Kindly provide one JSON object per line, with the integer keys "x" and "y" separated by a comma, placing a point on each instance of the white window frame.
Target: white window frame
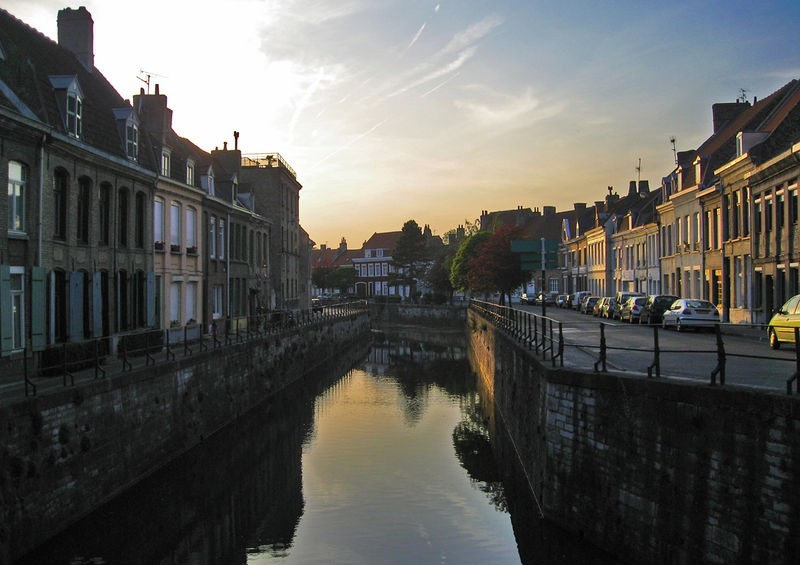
{"x": 16, "y": 198}
{"x": 175, "y": 302}
{"x": 165, "y": 168}
{"x": 190, "y": 173}
{"x": 216, "y": 306}
{"x": 158, "y": 221}
{"x": 191, "y": 301}
{"x": 221, "y": 249}
{"x": 74, "y": 113}
{"x": 212, "y": 237}
{"x": 132, "y": 141}
{"x": 174, "y": 223}
{"x": 191, "y": 227}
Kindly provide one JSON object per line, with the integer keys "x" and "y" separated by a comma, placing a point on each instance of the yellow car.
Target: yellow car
{"x": 782, "y": 325}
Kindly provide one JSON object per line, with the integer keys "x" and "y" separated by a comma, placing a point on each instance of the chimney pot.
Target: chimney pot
{"x": 225, "y": 146}
{"x": 76, "y": 33}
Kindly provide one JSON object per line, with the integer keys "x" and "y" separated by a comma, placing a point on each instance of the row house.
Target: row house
{"x": 113, "y": 222}
{"x": 76, "y": 258}
{"x": 374, "y": 268}
{"x": 332, "y": 258}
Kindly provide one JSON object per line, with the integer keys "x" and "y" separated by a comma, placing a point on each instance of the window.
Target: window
{"x": 132, "y": 141}
{"x": 158, "y": 224}
{"x": 141, "y": 205}
{"x": 191, "y": 302}
{"x": 165, "y": 163}
{"x": 17, "y": 307}
{"x": 212, "y": 237}
{"x": 84, "y": 197}
{"x": 221, "y": 250}
{"x": 216, "y": 306}
{"x": 175, "y": 227}
{"x": 17, "y": 178}
{"x": 736, "y": 212}
{"x": 123, "y": 217}
{"x": 104, "y": 213}
{"x": 191, "y": 221}
{"x": 211, "y": 183}
{"x": 74, "y": 114}
{"x": 190, "y": 173}
{"x": 60, "y": 192}
{"x": 175, "y": 303}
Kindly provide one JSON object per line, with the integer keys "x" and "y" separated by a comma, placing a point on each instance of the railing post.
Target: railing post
{"x": 560, "y": 344}
{"x": 602, "y": 360}
{"x": 720, "y": 368}
{"x": 656, "y": 355}
{"x": 552, "y": 356}
{"x": 796, "y": 376}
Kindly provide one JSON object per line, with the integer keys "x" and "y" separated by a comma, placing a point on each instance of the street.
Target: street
{"x": 689, "y": 355}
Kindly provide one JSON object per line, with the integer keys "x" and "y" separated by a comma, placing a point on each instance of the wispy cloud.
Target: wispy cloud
{"x": 472, "y": 34}
{"x": 416, "y": 36}
{"x": 440, "y": 85}
{"x": 348, "y": 144}
{"x": 504, "y": 110}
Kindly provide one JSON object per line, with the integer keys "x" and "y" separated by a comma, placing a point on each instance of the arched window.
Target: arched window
{"x": 104, "y": 213}
{"x": 60, "y": 199}
{"x": 84, "y": 200}
{"x": 17, "y": 186}
{"x": 140, "y": 219}
{"x": 123, "y": 216}
{"x": 158, "y": 224}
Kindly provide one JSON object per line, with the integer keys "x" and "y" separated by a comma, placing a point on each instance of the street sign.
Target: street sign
{"x": 530, "y": 252}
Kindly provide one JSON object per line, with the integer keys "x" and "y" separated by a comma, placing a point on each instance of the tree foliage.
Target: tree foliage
{"x": 410, "y": 255}
{"x": 468, "y": 249}
{"x": 495, "y": 268}
{"x": 438, "y": 276}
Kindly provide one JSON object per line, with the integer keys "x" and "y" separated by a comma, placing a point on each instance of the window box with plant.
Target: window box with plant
{"x": 191, "y": 250}
{"x": 158, "y": 246}
{"x": 174, "y": 248}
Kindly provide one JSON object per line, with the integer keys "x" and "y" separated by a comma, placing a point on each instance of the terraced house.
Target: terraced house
{"x": 76, "y": 247}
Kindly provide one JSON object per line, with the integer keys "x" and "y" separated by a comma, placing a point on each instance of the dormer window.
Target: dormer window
{"x": 165, "y": 163}
{"x": 190, "y": 173}
{"x": 70, "y": 102}
{"x": 132, "y": 141}
{"x": 74, "y": 114}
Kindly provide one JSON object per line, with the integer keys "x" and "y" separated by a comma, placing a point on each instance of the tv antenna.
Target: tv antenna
{"x": 674, "y": 152}
{"x": 742, "y": 95}
{"x": 639, "y": 171}
{"x": 148, "y": 75}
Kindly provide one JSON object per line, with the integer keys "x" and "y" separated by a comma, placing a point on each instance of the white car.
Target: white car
{"x": 690, "y": 312}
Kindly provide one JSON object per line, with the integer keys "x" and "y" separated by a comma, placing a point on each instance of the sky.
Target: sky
{"x": 392, "y": 110}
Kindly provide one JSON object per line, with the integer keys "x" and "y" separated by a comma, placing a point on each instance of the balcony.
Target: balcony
{"x": 267, "y": 160}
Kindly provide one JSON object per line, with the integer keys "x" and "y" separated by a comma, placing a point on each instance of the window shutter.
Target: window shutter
{"x": 97, "y": 304}
{"x": 150, "y": 297}
{"x": 38, "y": 308}
{"x": 6, "y": 318}
{"x": 75, "y": 306}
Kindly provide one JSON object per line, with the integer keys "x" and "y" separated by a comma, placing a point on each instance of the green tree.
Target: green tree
{"x": 495, "y": 268}
{"x": 438, "y": 276}
{"x": 468, "y": 249}
{"x": 410, "y": 256}
{"x": 342, "y": 278}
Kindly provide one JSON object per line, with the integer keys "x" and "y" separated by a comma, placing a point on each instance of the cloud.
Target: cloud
{"x": 472, "y": 34}
{"x": 416, "y": 36}
{"x": 504, "y": 110}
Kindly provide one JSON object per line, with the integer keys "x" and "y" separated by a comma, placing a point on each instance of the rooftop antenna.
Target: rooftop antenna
{"x": 742, "y": 95}
{"x": 639, "y": 172}
{"x": 148, "y": 75}
{"x": 674, "y": 152}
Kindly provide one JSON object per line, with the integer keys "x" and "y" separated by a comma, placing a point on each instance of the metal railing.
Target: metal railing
{"x": 95, "y": 359}
{"x": 546, "y": 337}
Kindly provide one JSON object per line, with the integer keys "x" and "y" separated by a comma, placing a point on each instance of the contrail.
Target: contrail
{"x": 349, "y": 143}
{"x": 419, "y": 32}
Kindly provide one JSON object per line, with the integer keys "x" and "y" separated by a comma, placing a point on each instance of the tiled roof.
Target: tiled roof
{"x": 32, "y": 58}
{"x": 384, "y": 240}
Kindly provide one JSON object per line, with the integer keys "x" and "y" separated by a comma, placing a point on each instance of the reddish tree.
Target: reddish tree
{"x": 495, "y": 268}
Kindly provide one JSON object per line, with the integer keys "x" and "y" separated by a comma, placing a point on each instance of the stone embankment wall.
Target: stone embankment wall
{"x": 426, "y": 315}
{"x": 66, "y": 453}
{"x": 654, "y": 471}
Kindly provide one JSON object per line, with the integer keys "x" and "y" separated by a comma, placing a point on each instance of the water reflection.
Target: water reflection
{"x": 393, "y": 462}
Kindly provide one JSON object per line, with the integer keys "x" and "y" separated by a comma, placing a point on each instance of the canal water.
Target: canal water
{"x": 388, "y": 458}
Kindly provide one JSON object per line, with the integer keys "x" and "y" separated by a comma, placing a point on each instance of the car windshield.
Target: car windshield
{"x": 699, "y": 304}
{"x": 640, "y": 301}
{"x": 665, "y": 300}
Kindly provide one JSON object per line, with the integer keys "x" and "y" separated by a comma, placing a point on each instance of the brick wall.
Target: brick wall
{"x": 655, "y": 471}
{"x": 64, "y": 454}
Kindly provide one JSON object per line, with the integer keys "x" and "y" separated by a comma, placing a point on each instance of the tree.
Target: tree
{"x": 342, "y": 278}
{"x": 438, "y": 276}
{"x": 460, "y": 265}
{"x": 410, "y": 255}
{"x": 319, "y": 276}
{"x": 495, "y": 268}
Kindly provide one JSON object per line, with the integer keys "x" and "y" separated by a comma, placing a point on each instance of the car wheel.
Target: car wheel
{"x": 773, "y": 339}
{"x": 678, "y": 325}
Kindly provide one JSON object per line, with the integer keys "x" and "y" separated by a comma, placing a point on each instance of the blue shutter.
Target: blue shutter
{"x": 6, "y": 318}
{"x": 97, "y": 305}
{"x": 38, "y": 308}
{"x": 75, "y": 306}
{"x": 150, "y": 296}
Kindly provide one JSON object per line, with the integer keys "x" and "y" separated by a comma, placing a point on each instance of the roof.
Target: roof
{"x": 383, "y": 240}
{"x": 31, "y": 60}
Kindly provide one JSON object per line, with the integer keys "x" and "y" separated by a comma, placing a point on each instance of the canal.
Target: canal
{"x": 393, "y": 456}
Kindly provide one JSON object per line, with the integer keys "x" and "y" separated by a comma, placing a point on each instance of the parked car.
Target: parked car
{"x": 579, "y": 298}
{"x": 587, "y": 307}
{"x": 597, "y": 310}
{"x": 783, "y": 322}
{"x": 569, "y": 301}
{"x": 654, "y": 308}
{"x": 619, "y": 301}
{"x": 549, "y": 298}
{"x": 523, "y": 298}
{"x": 560, "y": 300}
{"x": 316, "y": 305}
{"x": 690, "y": 312}
{"x": 632, "y": 309}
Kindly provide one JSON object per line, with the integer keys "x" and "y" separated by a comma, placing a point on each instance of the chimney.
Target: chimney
{"x": 76, "y": 33}
{"x": 644, "y": 187}
{"x": 323, "y": 247}
{"x": 579, "y": 206}
{"x": 549, "y": 210}
{"x": 225, "y": 146}
{"x": 632, "y": 188}
{"x": 154, "y": 113}
{"x": 236, "y": 141}
{"x": 724, "y": 112}
{"x": 343, "y": 245}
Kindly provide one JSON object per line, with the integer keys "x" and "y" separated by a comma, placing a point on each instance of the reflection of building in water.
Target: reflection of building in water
{"x": 382, "y": 356}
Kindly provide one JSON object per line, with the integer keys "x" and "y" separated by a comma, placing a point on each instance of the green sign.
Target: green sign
{"x": 530, "y": 252}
